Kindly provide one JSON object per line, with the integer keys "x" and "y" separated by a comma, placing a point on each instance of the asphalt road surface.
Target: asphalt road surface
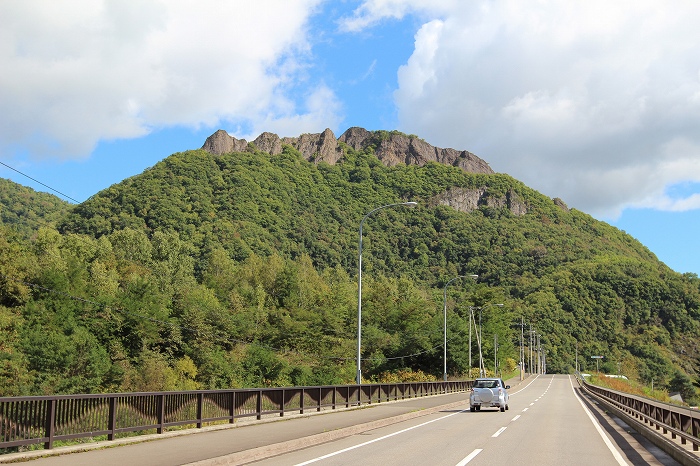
{"x": 547, "y": 424}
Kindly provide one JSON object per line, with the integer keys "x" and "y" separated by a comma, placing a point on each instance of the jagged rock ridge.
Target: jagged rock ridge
{"x": 391, "y": 148}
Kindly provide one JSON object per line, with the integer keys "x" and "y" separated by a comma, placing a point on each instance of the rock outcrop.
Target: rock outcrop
{"x": 391, "y": 148}
{"x": 559, "y": 203}
{"x": 221, "y": 143}
{"x": 468, "y": 200}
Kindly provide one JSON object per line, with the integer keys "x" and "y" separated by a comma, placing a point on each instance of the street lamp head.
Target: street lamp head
{"x": 410, "y": 204}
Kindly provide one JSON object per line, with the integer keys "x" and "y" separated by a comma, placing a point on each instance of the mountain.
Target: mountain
{"x": 236, "y": 265}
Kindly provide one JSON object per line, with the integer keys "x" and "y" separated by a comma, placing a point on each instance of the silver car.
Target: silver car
{"x": 489, "y": 393}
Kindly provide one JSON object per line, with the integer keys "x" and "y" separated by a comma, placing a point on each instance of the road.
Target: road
{"x": 547, "y": 424}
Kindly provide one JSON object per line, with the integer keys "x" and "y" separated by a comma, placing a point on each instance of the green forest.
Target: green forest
{"x": 240, "y": 270}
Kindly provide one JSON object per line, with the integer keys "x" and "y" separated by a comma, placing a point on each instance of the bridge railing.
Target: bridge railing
{"x": 47, "y": 419}
{"x": 681, "y": 422}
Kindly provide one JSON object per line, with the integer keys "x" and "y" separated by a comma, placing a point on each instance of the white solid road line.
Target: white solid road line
{"x": 531, "y": 382}
{"x": 471, "y": 456}
{"x": 618, "y": 457}
{"x": 377, "y": 439}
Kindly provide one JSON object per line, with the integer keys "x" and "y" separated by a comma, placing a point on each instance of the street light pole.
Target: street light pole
{"x": 359, "y": 285}
{"x": 444, "y": 301}
{"x": 481, "y": 356}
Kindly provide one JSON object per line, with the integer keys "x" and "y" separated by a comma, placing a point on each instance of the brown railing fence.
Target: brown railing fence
{"x": 46, "y": 419}
{"x": 679, "y": 421}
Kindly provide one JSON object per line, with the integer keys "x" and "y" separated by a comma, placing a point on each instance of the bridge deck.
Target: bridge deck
{"x": 249, "y": 440}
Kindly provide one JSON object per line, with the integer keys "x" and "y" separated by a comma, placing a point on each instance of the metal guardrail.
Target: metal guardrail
{"x": 679, "y": 421}
{"x": 47, "y": 419}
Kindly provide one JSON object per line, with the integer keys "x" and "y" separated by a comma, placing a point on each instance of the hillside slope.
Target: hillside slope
{"x": 240, "y": 269}
{"x": 25, "y": 209}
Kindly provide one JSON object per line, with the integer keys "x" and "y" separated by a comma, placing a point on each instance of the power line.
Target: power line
{"x": 37, "y": 181}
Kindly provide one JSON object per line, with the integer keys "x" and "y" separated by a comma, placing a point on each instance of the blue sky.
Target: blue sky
{"x": 591, "y": 101}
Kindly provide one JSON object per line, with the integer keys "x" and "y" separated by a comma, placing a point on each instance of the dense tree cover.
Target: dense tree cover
{"x": 241, "y": 270}
{"x": 26, "y": 210}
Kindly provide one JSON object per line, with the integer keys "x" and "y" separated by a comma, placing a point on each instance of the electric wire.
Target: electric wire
{"x": 37, "y": 181}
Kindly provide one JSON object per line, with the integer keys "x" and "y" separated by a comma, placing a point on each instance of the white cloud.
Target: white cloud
{"x": 322, "y": 110}
{"x": 371, "y": 12}
{"x": 77, "y": 72}
{"x": 592, "y": 101}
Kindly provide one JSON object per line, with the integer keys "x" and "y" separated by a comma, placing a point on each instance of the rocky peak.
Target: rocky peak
{"x": 391, "y": 148}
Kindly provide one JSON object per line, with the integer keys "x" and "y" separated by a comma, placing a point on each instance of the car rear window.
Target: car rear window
{"x": 486, "y": 384}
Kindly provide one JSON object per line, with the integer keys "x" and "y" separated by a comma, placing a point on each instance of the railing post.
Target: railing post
{"x": 258, "y": 405}
{"x": 161, "y": 412}
{"x": 200, "y": 402}
{"x": 301, "y": 402}
{"x": 232, "y": 409}
{"x": 335, "y": 393}
{"x": 282, "y": 402}
{"x": 112, "y": 417}
{"x": 320, "y": 396}
{"x": 50, "y": 421}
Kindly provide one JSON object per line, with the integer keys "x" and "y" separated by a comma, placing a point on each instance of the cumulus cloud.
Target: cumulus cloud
{"x": 81, "y": 71}
{"x": 593, "y": 101}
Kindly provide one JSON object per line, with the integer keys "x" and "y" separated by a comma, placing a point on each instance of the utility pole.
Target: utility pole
{"x": 495, "y": 355}
{"x": 522, "y": 348}
{"x": 482, "y": 369}
{"x": 530, "y": 335}
{"x": 481, "y": 339}
{"x": 544, "y": 362}
{"x": 470, "y": 318}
